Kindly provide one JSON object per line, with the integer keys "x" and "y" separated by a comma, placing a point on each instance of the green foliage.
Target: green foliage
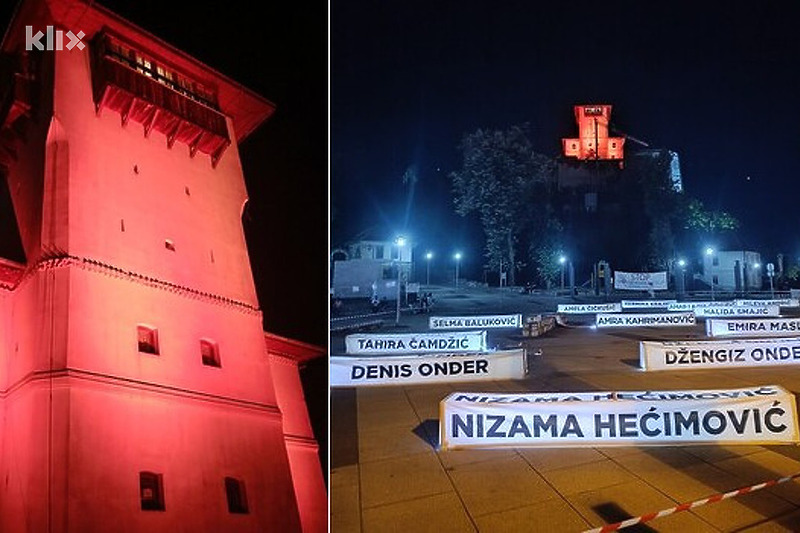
{"x": 500, "y": 179}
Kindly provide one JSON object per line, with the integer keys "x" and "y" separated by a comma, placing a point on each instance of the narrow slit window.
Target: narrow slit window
{"x": 148, "y": 339}
{"x": 209, "y": 351}
{"x": 151, "y": 491}
{"x": 237, "y": 498}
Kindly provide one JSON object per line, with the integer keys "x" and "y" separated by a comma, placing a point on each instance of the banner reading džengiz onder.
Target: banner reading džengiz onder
{"x": 760, "y": 415}
{"x": 346, "y": 371}
{"x": 730, "y": 353}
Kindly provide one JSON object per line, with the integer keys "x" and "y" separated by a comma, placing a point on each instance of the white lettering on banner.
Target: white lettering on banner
{"x": 346, "y": 371}
{"x": 589, "y": 308}
{"x": 782, "y": 302}
{"x": 753, "y": 327}
{"x": 658, "y": 355}
{"x": 624, "y": 320}
{"x": 646, "y": 304}
{"x": 640, "y": 281}
{"x": 737, "y": 310}
{"x": 475, "y": 322}
{"x": 756, "y": 416}
{"x": 419, "y": 343}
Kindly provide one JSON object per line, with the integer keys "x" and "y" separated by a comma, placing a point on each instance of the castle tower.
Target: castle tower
{"x": 137, "y": 389}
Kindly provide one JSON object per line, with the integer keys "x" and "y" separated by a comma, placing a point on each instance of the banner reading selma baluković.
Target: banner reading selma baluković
{"x": 752, "y": 327}
{"x": 475, "y": 322}
{"x": 589, "y": 308}
{"x": 677, "y": 355}
{"x": 628, "y": 320}
{"x": 419, "y": 343}
{"x": 763, "y": 415}
{"x": 640, "y": 281}
{"x": 348, "y": 371}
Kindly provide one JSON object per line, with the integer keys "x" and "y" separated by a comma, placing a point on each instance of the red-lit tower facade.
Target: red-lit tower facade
{"x": 138, "y": 390}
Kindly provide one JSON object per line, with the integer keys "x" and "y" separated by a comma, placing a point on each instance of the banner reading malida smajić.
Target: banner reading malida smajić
{"x": 759, "y": 415}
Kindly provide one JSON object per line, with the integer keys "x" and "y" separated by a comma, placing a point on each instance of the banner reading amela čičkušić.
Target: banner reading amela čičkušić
{"x": 762, "y": 415}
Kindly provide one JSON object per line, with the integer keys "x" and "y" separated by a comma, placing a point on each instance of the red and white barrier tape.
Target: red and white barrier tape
{"x": 690, "y": 505}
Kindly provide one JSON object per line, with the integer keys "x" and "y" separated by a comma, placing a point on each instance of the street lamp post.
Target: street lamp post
{"x": 428, "y": 258}
{"x": 400, "y": 242}
{"x": 562, "y": 260}
{"x": 710, "y": 253}
{"x": 458, "y": 260}
{"x": 681, "y": 276}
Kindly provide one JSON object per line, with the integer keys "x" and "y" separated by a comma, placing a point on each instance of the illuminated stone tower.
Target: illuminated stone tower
{"x": 138, "y": 391}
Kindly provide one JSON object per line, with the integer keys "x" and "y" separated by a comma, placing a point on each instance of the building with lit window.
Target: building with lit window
{"x": 138, "y": 390}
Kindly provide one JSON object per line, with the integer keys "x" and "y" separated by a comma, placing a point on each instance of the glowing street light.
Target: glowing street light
{"x": 400, "y": 242}
{"x": 562, "y": 260}
{"x": 428, "y": 258}
{"x": 457, "y": 257}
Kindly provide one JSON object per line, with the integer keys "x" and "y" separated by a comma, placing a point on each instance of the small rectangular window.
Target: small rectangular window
{"x": 715, "y": 280}
{"x": 151, "y": 491}
{"x": 715, "y": 261}
{"x": 209, "y": 351}
{"x": 237, "y": 498}
{"x": 148, "y": 339}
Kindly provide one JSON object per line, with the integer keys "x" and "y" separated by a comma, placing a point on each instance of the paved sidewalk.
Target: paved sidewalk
{"x": 387, "y": 473}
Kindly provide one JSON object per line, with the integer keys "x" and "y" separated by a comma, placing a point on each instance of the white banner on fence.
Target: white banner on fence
{"x": 738, "y": 310}
{"x": 752, "y": 327}
{"x": 646, "y": 304}
{"x": 435, "y": 368}
{"x": 764, "y": 415}
{"x": 693, "y": 306}
{"x": 782, "y": 302}
{"x": 682, "y": 355}
{"x": 640, "y": 281}
{"x": 475, "y": 322}
{"x": 627, "y": 320}
{"x": 416, "y": 343}
{"x": 589, "y": 308}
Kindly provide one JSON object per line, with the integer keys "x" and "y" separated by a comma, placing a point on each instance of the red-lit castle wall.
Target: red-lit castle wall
{"x": 122, "y": 231}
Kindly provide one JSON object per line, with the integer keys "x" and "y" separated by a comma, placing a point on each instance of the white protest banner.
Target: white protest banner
{"x": 682, "y": 355}
{"x": 475, "y": 322}
{"x": 738, "y": 310}
{"x": 640, "y": 281}
{"x": 752, "y": 327}
{"x": 782, "y": 302}
{"x": 627, "y": 320}
{"x": 646, "y": 304}
{"x": 763, "y": 415}
{"x": 433, "y": 368}
{"x": 589, "y": 308}
{"x": 416, "y": 343}
{"x": 693, "y": 306}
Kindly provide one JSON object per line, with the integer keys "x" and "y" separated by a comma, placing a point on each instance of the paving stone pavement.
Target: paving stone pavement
{"x": 388, "y": 474}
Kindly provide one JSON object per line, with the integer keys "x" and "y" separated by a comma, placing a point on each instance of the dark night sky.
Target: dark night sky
{"x": 715, "y": 82}
{"x": 282, "y": 55}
